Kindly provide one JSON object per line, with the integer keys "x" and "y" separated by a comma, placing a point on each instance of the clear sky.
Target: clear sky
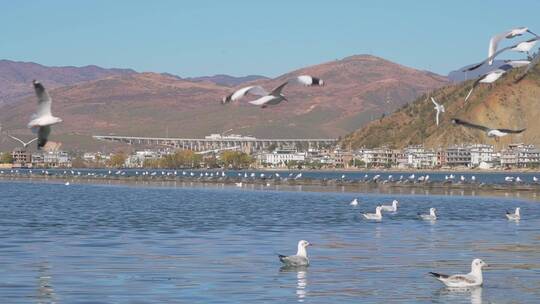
{"x": 201, "y": 37}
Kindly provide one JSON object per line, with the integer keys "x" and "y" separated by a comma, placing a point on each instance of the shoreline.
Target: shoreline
{"x": 520, "y": 191}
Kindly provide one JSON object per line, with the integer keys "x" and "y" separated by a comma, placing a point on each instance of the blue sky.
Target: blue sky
{"x": 195, "y": 38}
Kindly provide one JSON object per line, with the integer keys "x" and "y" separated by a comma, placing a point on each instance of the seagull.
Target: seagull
{"x": 535, "y": 179}
{"x": 432, "y": 216}
{"x": 494, "y": 41}
{"x": 275, "y": 96}
{"x": 489, "y": 131}
{"x": 238, "y": 184}
{"x": 516, "y": 216}
{"x": 522, "y": 47}
{"x": 42, "y": 120}
{"x": 518, "y": 180}
{"x": 354, "y": 202}
{"x": 67, "y": 184}
{"x": 25, "y": 144}
{"x": 300, "y": 258}
{"x": 508, "y": 179}
{"x": 439, "y": 108}
{"x": 473, "y": 278}
{"x": 374, "y": 216}
{"x": 392, "y": 208}
{"x": 533, "y": 63}
{"x": 494, "y": 75}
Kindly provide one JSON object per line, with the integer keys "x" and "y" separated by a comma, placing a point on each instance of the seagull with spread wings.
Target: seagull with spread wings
{"x": 43, "y": 119}
{"x": 270, "y": 98}
{"x": 522, "y": 47}
{"x": 491, "y": 132}
{"x": 494, "y": 41}
{"x": 494, "y": 75}
{"x": 25, "y": 144}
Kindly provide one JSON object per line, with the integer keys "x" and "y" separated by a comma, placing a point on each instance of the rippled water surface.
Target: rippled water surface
{"x": 123, "y": 244}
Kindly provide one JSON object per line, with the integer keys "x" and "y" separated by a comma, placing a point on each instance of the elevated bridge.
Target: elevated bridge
{"x": 246, "y": 144}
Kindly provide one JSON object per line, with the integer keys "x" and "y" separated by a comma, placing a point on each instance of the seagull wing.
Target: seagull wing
{"x": 489, "y": 59}
{"x": 475, "y": 83}
{"x": 43, "y": 136}
{"x": 437, "y": 117}
{"x": 44, "y": 100}
{"x": 31, "y": 141}
{"x": 494, "y": 42}
{"x": 512, "y": 131}
{"x": 239, "y": 94}
{"x": 15, "y": 138}
{"x": 469, "y": 125}
{"x": 434, "y": 102}
{"x": 533, "y": 63}
{"x": 277, "y": 91}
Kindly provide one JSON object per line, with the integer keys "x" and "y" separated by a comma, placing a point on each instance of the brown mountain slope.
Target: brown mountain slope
{"x": 15, "y": 77}
{"x": 504, "y": 104}
{"x": 358, "y": 88}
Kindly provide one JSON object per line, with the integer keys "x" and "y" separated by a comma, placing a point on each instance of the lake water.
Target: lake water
{"x": 123, "y": 244}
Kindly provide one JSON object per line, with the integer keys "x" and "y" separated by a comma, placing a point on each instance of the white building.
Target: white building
{"x": 418, "y": 157}
{"x": 481, "y": 153}
{"x": 281, "y": 157}
{"x": 137, "y": 159}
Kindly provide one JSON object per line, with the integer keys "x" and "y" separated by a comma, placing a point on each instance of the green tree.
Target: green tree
{"x": 236, "y": 159}
{"x": 118, "y": 160}
{"x": 6, "y": 158}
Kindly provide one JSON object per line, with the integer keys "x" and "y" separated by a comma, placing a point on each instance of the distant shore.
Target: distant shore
{"x": 525, "y": 191}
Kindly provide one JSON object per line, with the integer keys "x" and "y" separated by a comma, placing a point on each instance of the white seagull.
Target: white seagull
{"x": 516, "y": 216}
{"x": 374, "y": 216}
{"x": 535, "y": 179}
{"x": 494, "y": 75}
{"x": 522, "y": 47}
{"x": 439, "y": 108}
{"x": 494, "y": 41}
{"x": 473, "y": 278}
{"x": 275, "y": 96}
{"x": 42, "y": 120}
{"x": 489, "y": 131}
{"x": 354, "y": 202}
{"x": 300, "y": 258}
{"x": 391, "y": 208}
{"x": 25, "y": 144}
{"x": 432, "y": 216}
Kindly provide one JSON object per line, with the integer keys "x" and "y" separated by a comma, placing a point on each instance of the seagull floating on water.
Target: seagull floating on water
{"x": 300, "y": 258}
{"x": 377, "y": 216}
{"x": 439, "y": 108}
{"x": 516, "y": 216}
{"x": 473, "y": 278}
{"x": 391, "y": 208}
{"x": 489, "y": 131}
{"x": 432, "y": 216}
{"x": 354, "y": 202}
{"x": 42, "y": 120}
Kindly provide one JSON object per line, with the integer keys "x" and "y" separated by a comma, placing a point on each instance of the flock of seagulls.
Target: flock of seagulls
{"x": 270, "y": 98}
{"x": 496, "y": 73}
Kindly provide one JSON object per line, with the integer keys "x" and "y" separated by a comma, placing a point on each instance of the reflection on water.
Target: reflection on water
{"x": 461, "y": 295}
{"x": 45, "y": 290}
{"x": 123, "y": 244}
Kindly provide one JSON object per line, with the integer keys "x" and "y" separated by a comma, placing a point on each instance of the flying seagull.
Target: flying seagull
{"x": 533, "y": 63}
{"x": 490, "y": 132}
{"x": 42, "y": 120}
{"x": 300, "y": 258}
{"x": 439, "y": 108}
{"x": 494, "y": 41}
{"x": 522, "y": 47}
{"x": 275, "y": 96}
{"x": 25, "y": 144}
{"x": 494, "y": 75}
{"x": 473, "y": 278}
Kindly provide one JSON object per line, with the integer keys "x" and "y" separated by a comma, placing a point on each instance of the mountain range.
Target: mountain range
{"x": 124, "y": 102}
